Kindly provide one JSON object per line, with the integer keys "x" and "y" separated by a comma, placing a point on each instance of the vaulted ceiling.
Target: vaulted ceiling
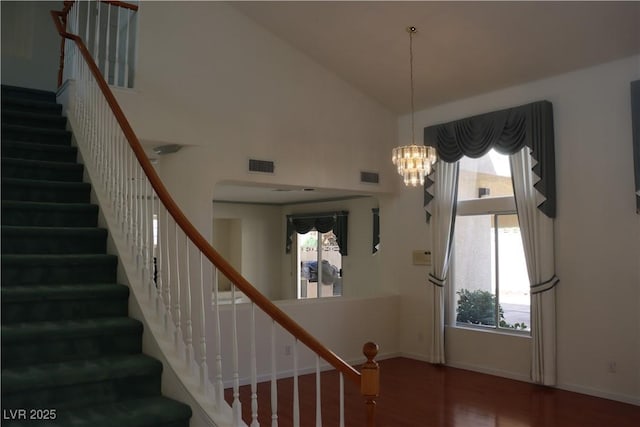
{"x": 461, "y": 49}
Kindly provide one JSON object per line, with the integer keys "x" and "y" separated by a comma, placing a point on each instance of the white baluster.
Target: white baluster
{"x": 254, "y": 373}
{"x": 296, "y": 393}
{"x": 96, "y": 41}
{"x": 116, "y": 66}
{"x": 167, "y": 287}
{"x": 341, "y": 400}
{"x": 86, "y": 35}
{"x": 187, "y": 308}
{"x": 236, "y": 405}
{"x": 177, "y": 335}
{"x": 107, "y": 39}
{"x": 204, "y": 371}
{"x": 274, "y": 383}
{"x": 318, "y": 392}
{"x": 126, "y": 50}
{"x": 219, "y": 386}
{"x": 159, "y": 261}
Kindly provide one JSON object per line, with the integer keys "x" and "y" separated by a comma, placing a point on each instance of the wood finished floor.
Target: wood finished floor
{"x": 417, "y": 394}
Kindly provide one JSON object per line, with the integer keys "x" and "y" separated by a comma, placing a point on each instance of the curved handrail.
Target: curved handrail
{"x": 189, "y": 229}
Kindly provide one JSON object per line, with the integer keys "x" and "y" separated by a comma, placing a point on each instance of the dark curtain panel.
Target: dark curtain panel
{"x": 635, "y": 125}
{"x": 323, "y": 222}
{"x": 507, "y": 131}
{"x": 376, "y": 230}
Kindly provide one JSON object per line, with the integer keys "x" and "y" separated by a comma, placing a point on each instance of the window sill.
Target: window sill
{"x": 491, "y": 330}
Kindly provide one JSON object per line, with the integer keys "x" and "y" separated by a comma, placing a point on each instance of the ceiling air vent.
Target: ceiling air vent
{"x": 264, "y": 166}
{"x": 369, "y": 177}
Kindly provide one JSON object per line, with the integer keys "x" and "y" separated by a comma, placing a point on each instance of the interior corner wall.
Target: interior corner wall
{"x": 262, "y": 243}
{"x": 30, "y": 44}
{"x": 597, "y": 236}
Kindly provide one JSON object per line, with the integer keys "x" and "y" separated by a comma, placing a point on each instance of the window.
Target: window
{"x": 320, "y": 265}
{"x": 489, "y": 272}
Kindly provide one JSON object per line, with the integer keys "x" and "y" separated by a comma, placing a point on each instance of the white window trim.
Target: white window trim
{"x": 503, "y": 205}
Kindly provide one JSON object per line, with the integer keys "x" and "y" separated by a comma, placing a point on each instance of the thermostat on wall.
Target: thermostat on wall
{"x": 421, "y": 257}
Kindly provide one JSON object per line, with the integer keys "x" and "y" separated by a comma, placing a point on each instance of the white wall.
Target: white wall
{"x": 30, "y": 44}
{"x": 342, "y": 324}
{"x": 209, "y": 77}
{"x": 597, "y": 239}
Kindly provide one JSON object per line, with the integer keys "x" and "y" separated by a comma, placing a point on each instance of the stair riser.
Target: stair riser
{"x": 25, "y": 274}
{"x": 38, "y": 311}
{"x": 40, "y": 121}
{"x": 35, "y": 135}
{"x": 70, "y": 348}
{"x": 16, "y": 151}
{"x": 33, "y": 192}
{"x": 42, "y": 173}
{"x": 79, "y": 395}
{"x": 58, "y": 243}
{"x": 42, "y": 218}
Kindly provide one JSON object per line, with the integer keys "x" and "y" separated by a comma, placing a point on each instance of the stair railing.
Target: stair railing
{"x": 176, "y": 268}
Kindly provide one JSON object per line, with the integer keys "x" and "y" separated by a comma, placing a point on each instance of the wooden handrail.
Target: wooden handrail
{"x": 193, "y": 234}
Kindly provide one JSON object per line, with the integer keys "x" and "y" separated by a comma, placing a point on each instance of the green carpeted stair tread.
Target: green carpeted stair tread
{"x": 52, "y": 240}
{"x": 25, "y": 270}
{"x": 34, "y": 134}
{"x": 81, "y": 383}
{"x": 41, "y": 107}
{"x": 155, "y": 411}
{"x": 78, "y": 371}
{"x": 41, "y": 214}
{"x": 39, "y": 303}
{"x": 52, "y": 331}
{"x": 45, "y": 191}
{"x": 10, "y": 91}
{"x": 42, "y": 170}
{"x": 33, "y": 343}
{"x": 28, "y": 118}
{"x": 35, "y": 151}
{"x": 99, "y": 291}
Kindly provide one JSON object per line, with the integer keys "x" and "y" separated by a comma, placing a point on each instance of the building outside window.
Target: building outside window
{"x": 320, "y": 265}
{"x": 489, "y": 274}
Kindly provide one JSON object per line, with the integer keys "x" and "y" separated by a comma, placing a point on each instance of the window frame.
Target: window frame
{"x": 494, "y": 206}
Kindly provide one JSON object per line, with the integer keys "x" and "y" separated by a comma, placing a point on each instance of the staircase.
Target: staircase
{"x": 70, "y": 355}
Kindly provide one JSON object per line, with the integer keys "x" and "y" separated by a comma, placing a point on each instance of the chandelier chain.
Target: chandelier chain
{"x": 411, "y": 31}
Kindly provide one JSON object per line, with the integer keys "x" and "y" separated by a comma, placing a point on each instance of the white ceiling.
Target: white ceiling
{"x": 461, "y": 49}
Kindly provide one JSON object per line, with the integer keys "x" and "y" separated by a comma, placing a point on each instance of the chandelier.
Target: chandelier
{"x": 413, "y": 161}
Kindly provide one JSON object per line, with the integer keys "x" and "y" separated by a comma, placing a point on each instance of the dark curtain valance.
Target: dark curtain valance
{"x": 508, "y": 131}
{"x": 323, "y": 222}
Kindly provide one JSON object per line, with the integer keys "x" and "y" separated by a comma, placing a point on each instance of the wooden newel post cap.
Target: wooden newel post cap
{"x": 370, "y": 381}
{"x": 370, "y": 350}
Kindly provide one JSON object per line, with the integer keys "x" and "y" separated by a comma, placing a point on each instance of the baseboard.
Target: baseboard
{"x": 474, "y": 368}
{"x": 632, "y": 400}
{"x": 288, "y": 373}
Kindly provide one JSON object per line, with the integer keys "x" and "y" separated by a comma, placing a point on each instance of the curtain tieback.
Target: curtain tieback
{"x": 436, "y": 280}
{"x": 545, "y": 286}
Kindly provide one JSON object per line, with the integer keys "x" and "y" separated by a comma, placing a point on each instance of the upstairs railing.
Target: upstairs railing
{"x": 177, "y": 269}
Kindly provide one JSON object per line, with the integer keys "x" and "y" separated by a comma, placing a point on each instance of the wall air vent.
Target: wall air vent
{"x": 370, "y": 177}
{"x": 264, "y": 166}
